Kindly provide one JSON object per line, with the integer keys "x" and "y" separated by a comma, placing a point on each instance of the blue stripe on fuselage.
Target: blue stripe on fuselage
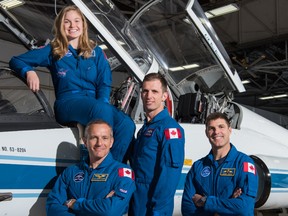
{"x": 38, "y": 159}
{"x": 279, "y": 180}
{"x": 15, "y": 176}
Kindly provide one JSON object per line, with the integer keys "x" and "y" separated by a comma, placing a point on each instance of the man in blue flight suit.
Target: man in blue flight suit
{"x": 98, "y": 186}
{"x": 158, "y": 153}
{"x": 224, "y": 182}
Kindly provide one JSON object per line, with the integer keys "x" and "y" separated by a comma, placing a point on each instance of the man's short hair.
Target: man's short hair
{"x": 217, "y": 115}
{"x": 98, "y": 121}
{"x": 157, "y": 76}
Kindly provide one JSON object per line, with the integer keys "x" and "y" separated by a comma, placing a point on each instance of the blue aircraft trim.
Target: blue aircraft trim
{"x": 279, "y": 181}
{"x": 39, "y": 159}
{"x": 179, "y": 193}
{"x": 279, "y": 191}
{"x": 186, "y": 169}
{"x": 15, "y": 176}
{"x": 29, "y": 195}
{"x": 278, "y": 170}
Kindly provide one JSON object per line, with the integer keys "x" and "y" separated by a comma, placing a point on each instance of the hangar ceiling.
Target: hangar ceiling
{"x": 256, "y": 38}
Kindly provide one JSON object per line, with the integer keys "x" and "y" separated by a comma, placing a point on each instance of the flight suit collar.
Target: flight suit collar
{"x": 160, "y": 116}
{"x": 230, "y": 156}
{"x": 106, "y": 162}
{"x": 73, "y": 51}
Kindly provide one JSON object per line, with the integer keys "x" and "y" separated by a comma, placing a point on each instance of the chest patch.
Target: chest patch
{"x": 68, "y": 54}
{"x": 206, "y": 171}
{"x": 149, "y": 132}
{"x": 62, "y": 73}
{"x": 228, "y": 172}
{"x": 99, "y": 177}
{"x": 79, "y": 177}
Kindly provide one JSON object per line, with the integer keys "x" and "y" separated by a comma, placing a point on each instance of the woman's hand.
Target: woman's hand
{"x": 33, "y": 81}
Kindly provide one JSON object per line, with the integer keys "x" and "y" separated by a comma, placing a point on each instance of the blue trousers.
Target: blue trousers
{"x": 85, "y": 109}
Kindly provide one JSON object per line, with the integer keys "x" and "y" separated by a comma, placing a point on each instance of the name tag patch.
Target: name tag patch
{"x": 99, "y": 177}
{"x": 228, "y": 172}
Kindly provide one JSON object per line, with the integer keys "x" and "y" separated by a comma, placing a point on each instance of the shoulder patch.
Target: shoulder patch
{"x": 249, "y": 167}
{"x": 126, "y": 172}
{"x": 173, "y": 133}
{"x": 41, "y": 47}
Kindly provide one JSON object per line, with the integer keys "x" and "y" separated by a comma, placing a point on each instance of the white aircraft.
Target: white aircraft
{"x": 170, "y": 36}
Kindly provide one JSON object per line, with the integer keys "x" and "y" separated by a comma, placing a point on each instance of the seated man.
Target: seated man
{"x": 98, "y": 186}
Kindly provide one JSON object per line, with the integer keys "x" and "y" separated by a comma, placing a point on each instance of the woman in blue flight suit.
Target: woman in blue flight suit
{"x": 81, "y": 75}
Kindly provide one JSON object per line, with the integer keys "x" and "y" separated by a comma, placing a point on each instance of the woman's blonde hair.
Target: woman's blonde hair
{"x": 60, "y": 42}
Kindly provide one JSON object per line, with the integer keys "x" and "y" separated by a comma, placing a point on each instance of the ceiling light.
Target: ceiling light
{"x": 273, "y": 97}
{"x": 222, "y": 11}
{"x": 184, "y": 67}
{"x": 8, "y": 4}
{"x": 190, "y": 66}
{"x": 245, "y": 82}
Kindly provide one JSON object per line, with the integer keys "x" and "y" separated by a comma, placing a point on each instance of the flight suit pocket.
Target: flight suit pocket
{"x": 175, "y": 157}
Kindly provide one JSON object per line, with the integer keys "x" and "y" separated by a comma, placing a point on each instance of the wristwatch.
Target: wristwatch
{"x": 68, "y": 202}
{"x": 203, "y": 199}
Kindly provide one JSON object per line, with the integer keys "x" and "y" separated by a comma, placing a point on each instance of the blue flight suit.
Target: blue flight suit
{"x": 123, "y": 135}
{"x": 82, "y": 88}
{"x": 82, "y": 85}
{"x": 90, "y": 188}
{"x": 157, "y": 161}
{"x": 218, "y": 182}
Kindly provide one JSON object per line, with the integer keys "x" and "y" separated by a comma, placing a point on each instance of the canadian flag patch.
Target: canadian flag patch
{"x": 126, "y": 172}
{"x": 249, "y": 167}
{"x": 172, "y": 133}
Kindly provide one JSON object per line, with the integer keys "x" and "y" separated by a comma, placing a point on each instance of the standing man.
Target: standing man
{"x": 98, "y": 186}
{"x": 224, "y": 182}
{"x": 158, "y": 153}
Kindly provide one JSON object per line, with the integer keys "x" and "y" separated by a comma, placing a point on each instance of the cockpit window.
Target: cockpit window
{"x": 20, "y": 108}
{"x": 15, "y": 97}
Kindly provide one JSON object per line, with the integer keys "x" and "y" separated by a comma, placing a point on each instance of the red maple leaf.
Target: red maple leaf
{"x": 173, "y": 132}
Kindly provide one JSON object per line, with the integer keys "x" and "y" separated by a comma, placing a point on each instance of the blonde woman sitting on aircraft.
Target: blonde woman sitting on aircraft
{"x": 81, "y": 77}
